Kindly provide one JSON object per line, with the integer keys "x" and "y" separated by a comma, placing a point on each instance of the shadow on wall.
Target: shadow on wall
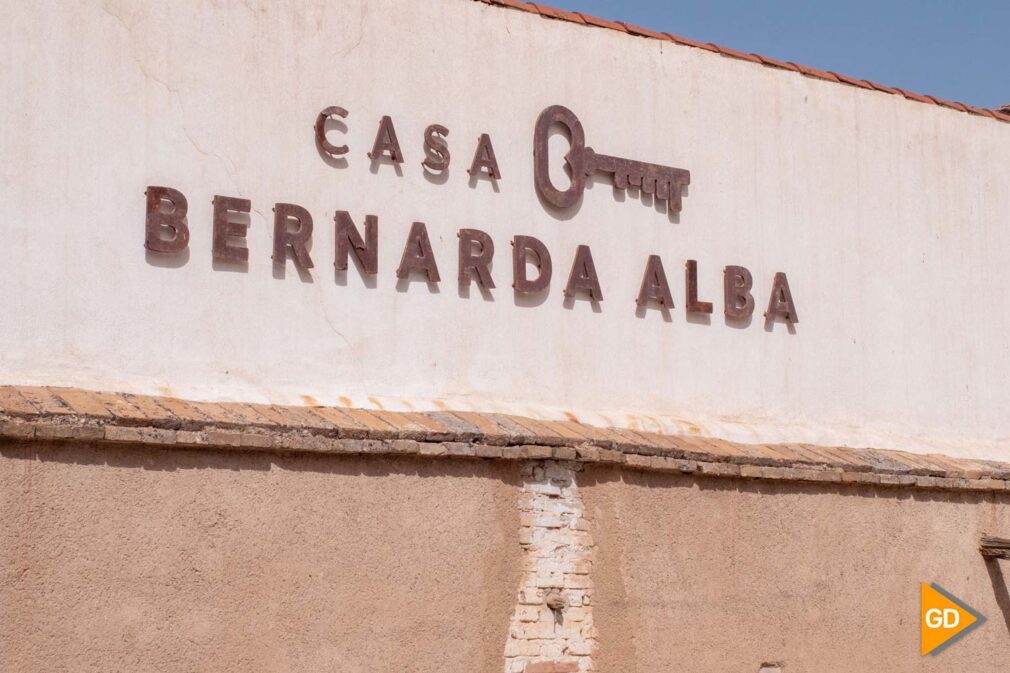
{"x": 653, "y": 479}
{"x": 999, "y": 588}
{"x": 173, "y": 460}
{"x": 132, "y": 456}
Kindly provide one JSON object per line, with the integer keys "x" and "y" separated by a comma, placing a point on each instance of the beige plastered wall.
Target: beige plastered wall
{"x": 136, "y": 559}
{"x": 141, "y": 560}
{"x": 715, "y": 575}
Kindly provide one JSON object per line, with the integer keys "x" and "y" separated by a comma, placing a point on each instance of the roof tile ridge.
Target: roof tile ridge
{"x": 639, "y": 31}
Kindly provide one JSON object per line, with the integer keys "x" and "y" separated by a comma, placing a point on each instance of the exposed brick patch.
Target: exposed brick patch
{"x": 551, "y": 630}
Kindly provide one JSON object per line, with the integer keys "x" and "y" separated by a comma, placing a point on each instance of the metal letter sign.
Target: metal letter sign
{"x": 666, "y": 182}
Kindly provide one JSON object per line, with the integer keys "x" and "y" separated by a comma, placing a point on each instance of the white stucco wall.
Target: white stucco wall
{"x": 889, "y": 217}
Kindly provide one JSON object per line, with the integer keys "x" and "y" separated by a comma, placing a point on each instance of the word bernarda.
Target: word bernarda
{"x": 167, "y": 232}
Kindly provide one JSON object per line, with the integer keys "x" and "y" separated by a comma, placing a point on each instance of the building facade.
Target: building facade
{"x": 460, "y": 335}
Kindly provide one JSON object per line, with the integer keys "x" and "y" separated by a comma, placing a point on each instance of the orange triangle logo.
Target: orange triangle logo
{"x": 944, "y": 619}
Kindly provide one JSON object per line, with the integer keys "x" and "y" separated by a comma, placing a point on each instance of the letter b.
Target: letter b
{"x": 166, "y": 214}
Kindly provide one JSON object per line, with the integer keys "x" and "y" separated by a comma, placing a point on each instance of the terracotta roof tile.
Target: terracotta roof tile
{"x": 775, "y": 63}
{"x": 726, "y": 51}
{"x": 881, "y": 87}
{"x": 687, "y": 42}
{"x": 641, "y": 32}
{"x": 517, "y": 4}
{"x": 603, "y": 23}
{"x": 1002, "y": 114}
{"x": 914, "y": 96}
{"x": 954, "y": 104}
{"x": 845, "y": 79}
{"x": 550, "y": 11}
{"x": 980, "y": 111}
{"x": 814, "y": 72}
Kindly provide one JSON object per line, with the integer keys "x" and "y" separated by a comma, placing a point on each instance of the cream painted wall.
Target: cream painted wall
{"x": 888, "y": 217}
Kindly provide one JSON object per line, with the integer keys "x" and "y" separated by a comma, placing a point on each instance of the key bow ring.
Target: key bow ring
{"x": 666, "y": 183}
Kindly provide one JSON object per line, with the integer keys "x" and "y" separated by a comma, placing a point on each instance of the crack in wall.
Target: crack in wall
{"x": 173, "y": 93}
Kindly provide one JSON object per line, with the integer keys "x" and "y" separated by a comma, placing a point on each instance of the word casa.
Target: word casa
{"x": 436, "y": 150}
{"x": 167, "y": 232}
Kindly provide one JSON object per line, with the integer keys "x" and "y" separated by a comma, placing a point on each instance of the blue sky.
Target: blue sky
{"x": 954, "y": 50}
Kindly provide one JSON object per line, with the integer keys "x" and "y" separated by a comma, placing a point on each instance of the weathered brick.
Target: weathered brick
{"x": 82, "y": 402}
{"x": 529, "y": 613}
{"x": 224, "y": 438}
{"x": 71, "y": 431}
{"x": 564, "y": 453}
{"x": 345, "y": 424}
{"x": 135, "y": 409}
{"x": 560, "y": 666}
{"x": 182, "y": 411}
{"x": 16, "y": 404}
{"x": 377, "y": 428}
{"x": 364, "y": 446}
{"x": 512, "y": 452}
{"x": 489, "y": 430}
{"x": 432, "y": 449}
{"x": 462, "y": 430}
{"x": 459, "y": 449}
{"x": 611, "y": 456}
{"x": 636, "y": 460}
{"x": 536, "y": 452}
{"x": 540, "y": 433}
{"x": 249, "y": 416}
{"x": 17, "y": 430}
{"x": 296, "y": 417}
{"x": 251, "y": 440}
{"x": 191, "y": 437}
{"x": 487, "y": 451}
{"x": 139, "y": 435}
{"x": 45, "y": 400}
{"x": 720, "y": 469}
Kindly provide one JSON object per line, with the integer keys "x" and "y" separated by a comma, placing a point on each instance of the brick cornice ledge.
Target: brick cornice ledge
{"x": 69, "y": 414}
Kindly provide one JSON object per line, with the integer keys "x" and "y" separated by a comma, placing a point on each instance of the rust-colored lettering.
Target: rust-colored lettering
{"x": 780, "y": 304}
{"x": 737, "y": 285}
{"x": 476, "y": 250}
{"x": 349, "y": 239}
{"x": 484, "y": 159}
{"x": 322, "y": 143}
{"x": 693, "y": 305}
{"x": 166, "y": 214}
{"x": 286, "y": 216}
{"x": 226, "y": 230}
{"x": 522, "y": 247}
{"x": 386, "y": 142}
{"x": 654, "y": 284}
{"x": 436, "y": 150}
{"x": 418, "y": 255}
{"x": 583, "y": 276}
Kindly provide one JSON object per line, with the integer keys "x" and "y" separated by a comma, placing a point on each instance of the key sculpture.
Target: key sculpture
{"x": 664, "y": 182}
